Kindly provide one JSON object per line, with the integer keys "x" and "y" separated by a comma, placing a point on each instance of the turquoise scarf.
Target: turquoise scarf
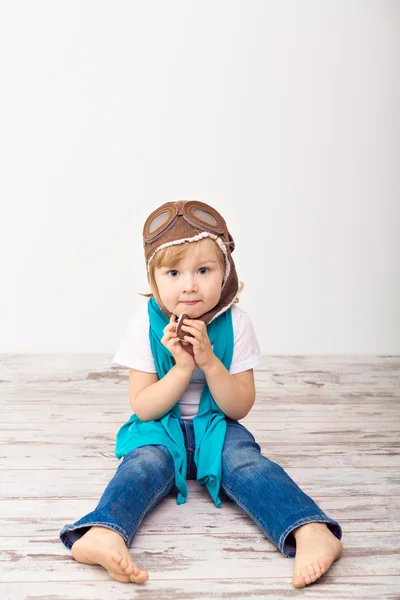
{"x": 209, "y": 424}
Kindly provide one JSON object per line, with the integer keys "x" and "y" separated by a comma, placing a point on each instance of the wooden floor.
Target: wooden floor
{"x": 331, "y": 422}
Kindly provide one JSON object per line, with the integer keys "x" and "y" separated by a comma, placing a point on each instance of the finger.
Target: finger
{"x": 191, "y": 330}
{"x": 171, "y": 341}
{"x": 192, "y": 340}
{"x": 190, "y": 323}
{"x": 194, "y": 323}
{"x": 171, "y": 334}
{"x": 173, "y": 345}
{"x": 172, "y": 322}
{"x": 167, "y": 340}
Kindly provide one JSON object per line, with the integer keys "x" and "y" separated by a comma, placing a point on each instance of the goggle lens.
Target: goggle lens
{"x": 160, "y": 220}
{"x": 204, "y": 217}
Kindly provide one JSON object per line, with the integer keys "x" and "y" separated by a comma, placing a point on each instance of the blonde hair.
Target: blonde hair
{"x": 171, "y": 255}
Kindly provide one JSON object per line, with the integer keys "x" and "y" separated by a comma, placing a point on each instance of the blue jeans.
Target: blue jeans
{"x": 259, "y": 486}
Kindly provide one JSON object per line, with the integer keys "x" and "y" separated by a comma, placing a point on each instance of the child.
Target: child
{"x": 188, "y": 396}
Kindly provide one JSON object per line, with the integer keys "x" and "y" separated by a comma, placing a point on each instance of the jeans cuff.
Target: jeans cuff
{"x": 69, "y": 540}
{"x": 287, "y": 542}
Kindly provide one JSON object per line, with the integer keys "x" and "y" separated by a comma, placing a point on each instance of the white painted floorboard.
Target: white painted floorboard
{"x": 332, "y": 422}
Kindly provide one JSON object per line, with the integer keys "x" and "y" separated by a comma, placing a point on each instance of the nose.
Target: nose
{"x": 189, "y": 283}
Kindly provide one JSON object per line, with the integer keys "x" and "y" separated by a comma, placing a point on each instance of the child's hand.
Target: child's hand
{"x": 202, "y": 350}
{"x": 183, "y": 358}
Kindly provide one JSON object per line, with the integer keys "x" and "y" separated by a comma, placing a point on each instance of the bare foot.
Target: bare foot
{"x": 316, "y": 549}
{"x": 105, "y": 547}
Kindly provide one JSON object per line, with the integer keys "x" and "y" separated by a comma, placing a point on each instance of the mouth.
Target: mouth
{"x": 191, "y": 303}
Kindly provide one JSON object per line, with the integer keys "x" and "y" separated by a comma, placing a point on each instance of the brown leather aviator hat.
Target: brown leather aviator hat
{"x": 190, "y": 221}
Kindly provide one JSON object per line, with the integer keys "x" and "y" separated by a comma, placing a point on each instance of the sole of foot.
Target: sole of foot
{"x": 105, "y": 547}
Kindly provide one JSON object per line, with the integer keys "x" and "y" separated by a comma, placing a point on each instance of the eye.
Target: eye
{"x": 176, "y": 271}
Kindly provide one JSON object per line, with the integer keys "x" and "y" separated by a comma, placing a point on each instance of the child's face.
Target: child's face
{"x": 192, "y": 279}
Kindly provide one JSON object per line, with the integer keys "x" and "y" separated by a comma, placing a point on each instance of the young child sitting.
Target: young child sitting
{"x": 188, "y": 393}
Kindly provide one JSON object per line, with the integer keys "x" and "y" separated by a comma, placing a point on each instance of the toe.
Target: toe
{"x": 116, "y": 556}
{"x": 311, "y": 573}
{"x": 323, "y": 565}
{"x": 119, "y": 577}
{"x": 317, "y": 569}
{"x": 117, "y": 565}
{"x": 305, "y": 575}
{"x": 131, "y": 569}
{"x": 298, "y": 581}
{"x": 141, "y": 577}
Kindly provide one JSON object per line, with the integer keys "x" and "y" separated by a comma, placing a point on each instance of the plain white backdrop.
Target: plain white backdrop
{"x": 283, "y": 115}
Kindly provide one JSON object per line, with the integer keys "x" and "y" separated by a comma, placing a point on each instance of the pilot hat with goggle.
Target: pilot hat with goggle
{"x": 190, "y": 221}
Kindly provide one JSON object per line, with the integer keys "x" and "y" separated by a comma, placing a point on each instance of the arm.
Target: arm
{"x": 234, "y": 394}
{"x": 157, "y": 399}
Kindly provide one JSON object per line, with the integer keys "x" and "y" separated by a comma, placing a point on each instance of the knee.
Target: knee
{"x": 248, "y": 462}
{"x": 148, "y": 459}
{"x": 243, "y": 461}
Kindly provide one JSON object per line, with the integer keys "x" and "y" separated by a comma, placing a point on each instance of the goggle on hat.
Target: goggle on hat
{"x": 190, "y": 221}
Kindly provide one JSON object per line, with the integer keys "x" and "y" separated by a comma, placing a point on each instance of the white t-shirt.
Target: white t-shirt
{"x": 134, "y": 351}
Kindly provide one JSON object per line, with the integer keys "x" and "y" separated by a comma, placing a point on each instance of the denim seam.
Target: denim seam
{"x": 247, "y": 510}
{"x": 316, "y": 519}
